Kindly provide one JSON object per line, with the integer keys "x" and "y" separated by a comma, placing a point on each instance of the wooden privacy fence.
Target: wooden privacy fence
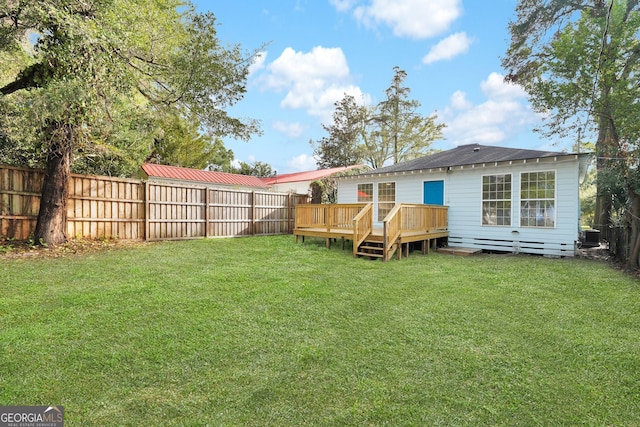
{"x": 105, "y": 207}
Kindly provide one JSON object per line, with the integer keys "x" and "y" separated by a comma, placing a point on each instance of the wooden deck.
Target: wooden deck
{"x": 405, "y": 224}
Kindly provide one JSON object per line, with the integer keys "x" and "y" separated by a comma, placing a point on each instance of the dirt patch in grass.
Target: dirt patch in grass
{"x": 601, "y": 253}
{"x": 77, "y": 247}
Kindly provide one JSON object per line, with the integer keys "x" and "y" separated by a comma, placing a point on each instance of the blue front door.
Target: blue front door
{"x": 433, "y": 193}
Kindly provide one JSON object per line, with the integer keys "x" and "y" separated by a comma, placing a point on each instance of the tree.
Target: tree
{"x": 342, "y": 146}
{"x": 392, "y": 131}
{"x": 403, "y": 133}
{"x": 87, "y": 57}
{"x": 179, "y": 142}
{"x": 579, "y": 62}
{"x": 259, "y": 169}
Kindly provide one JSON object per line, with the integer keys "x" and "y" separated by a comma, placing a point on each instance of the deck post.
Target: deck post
{"x": 384, "y": 245}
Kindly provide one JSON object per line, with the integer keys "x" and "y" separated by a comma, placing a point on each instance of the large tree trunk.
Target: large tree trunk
{"x": 607, "y": 146}
{"x": 602, "y": 212}
{"x": 634, "y": 252}
{"x": 52, "y": 216}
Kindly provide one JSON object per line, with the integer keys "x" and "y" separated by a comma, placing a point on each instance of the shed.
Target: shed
{"x": 499, "y": 199}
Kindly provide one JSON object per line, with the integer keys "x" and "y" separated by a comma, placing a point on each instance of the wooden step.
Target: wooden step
{"x": 373, "y": 248}
{"x": 370, "y": 254}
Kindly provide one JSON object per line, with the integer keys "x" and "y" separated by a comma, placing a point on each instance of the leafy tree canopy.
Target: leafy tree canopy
{"x": 392, "y": 131}
{"x": 259, "y": 169}
{"x": 109, "y": 81}
{"x": 580, "y": 63}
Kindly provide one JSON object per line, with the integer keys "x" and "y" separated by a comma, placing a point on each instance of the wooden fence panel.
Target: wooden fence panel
{"x": 20, "y": 191}
{"x": 271, "y": 213}
{"x": 230, "y": 213}
{"x": 104, "y": 207}
{"x": 175, "y": 212}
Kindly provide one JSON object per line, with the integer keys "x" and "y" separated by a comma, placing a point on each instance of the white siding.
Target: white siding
{"x": 298, "y": 187}
{"x": 462, "y": 193}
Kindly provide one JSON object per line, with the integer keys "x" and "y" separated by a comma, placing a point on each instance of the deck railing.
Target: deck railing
{"x": 412, "y": 221}
{"x": 362, "y": 226}
{"x": 392, "y": 228}
{"x": 407, "y": 218}
{"x": 423, "y": 217}
{"x": 328, "y": 216}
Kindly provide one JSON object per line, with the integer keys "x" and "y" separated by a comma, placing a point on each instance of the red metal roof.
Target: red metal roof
{"x": 186, "y": 174}
{"x": 308, "y": 175}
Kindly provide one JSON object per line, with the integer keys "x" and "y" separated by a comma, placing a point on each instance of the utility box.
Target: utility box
{"x": 591, "y": 239}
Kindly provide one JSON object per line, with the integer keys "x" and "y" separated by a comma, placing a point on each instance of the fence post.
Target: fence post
{"x": 289, "y": 215}
{"x": 206, "y": 212}
{"x": 146, "y": 210}
{"x": 253, "y": 213}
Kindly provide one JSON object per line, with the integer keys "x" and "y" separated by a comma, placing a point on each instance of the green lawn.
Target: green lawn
{"x": 262, "y": 331}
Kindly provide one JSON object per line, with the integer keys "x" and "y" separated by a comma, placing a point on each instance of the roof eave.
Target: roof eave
{"x": 480, "y": 165}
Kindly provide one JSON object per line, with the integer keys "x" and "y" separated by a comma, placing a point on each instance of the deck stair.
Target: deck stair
{"x": 373, "y": 247}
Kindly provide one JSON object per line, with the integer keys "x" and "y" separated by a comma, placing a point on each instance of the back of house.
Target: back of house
{"x": 499, "y": 199}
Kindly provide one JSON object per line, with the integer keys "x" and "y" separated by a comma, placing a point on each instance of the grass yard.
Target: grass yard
{"x": 262, "y": 331}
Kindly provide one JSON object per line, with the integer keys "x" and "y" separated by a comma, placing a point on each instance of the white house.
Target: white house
{"x": 299, "y": 182}
{"x": 499, "y": 199}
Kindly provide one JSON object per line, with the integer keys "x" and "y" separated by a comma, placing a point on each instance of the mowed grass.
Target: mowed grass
{"x": 263, "y": 331}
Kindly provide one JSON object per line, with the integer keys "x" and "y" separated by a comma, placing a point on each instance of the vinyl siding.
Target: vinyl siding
{"x": 463, "y": 195}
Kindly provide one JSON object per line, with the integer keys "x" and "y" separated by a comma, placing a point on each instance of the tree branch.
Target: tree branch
{"x": 31, "y": 77}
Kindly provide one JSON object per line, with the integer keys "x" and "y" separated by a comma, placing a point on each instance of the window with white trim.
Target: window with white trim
{"x": 386, "y": 198}
{"x": 538, "y": 199}
{"x": 496, "y": 199}
{"x": 365, "y": 193}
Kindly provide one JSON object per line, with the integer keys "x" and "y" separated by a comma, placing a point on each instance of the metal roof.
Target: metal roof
{"x": 186, "y": 174}
{"x": 308, "y": 175}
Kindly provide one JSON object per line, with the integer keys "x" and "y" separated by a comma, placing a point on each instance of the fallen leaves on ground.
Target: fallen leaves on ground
{"x": 28, "y": 249}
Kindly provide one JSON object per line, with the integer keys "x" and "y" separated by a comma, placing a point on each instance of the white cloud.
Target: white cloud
{"x": 342, "y": 5}
{"x": 503, "y": 115}
{"x": 459, "y": 101}
{"x": 311, "y": 68}
{"x": 416, "y": 19}
{"x": 258, "y": 62}
{"x": 313, "y": 81}
{"x": 291, "y": 130}
{"x": 303, "y": 162}
{"x": 496, "y": 88}
{"x": 448, "y": 48}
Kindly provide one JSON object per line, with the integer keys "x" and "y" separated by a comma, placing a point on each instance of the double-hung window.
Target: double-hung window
{"x": 538, "y": 199}
{"x": 496, "y": 199}
{"x": 365, "y": 193}
{"x": 386, "y": 198}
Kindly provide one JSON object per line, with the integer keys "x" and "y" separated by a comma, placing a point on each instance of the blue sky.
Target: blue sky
{"x": 315, "y": 51}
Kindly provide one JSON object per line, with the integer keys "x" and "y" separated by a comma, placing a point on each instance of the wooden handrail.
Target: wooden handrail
{"x": 357, "y": 218}
{"x": 362, "y": 226}
{"x": 406, "y": 218}
{"x": 327, "y": 216}
{"x": 424, "y": 217}
{"x": 392, "y": 228}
